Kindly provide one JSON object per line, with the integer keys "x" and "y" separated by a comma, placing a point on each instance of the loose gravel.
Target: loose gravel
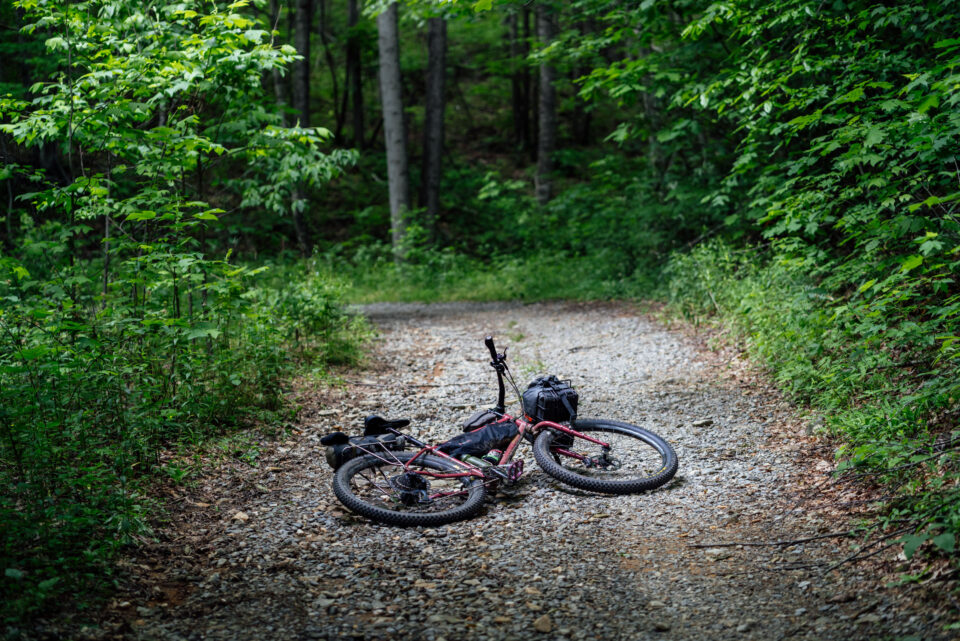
{"x": 267, "y": 552}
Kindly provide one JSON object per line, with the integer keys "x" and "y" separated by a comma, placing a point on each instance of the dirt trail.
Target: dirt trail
{"x": 267, "y": 552}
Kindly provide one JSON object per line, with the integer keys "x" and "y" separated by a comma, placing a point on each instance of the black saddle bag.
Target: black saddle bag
{"x": 479, "y": 442}
{"x": 341, "y": 448}
{"x": 548, "y": 398}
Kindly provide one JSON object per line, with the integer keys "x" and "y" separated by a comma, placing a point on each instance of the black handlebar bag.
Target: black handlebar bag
{"x": 547, "y": 398}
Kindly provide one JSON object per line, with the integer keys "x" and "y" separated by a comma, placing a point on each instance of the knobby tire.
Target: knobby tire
{"x": 405, "y": 516}
{"x": 587, "y": 480}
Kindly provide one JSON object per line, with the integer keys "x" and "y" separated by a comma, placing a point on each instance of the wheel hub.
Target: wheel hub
{"x": 604, "y": 461}
{"x": 411, "y": 488}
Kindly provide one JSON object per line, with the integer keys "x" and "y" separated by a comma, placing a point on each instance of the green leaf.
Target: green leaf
{"x": 14, "y": 573}
{"x": 45, "y": 586}
{"x": 945, "y": 541}
{"x": 911, "y": 263}
{"x": 929, "y": 102}
{"x": 205, "y": 216}
{"x": 56, "y": 43}
{"x": 142, "y": 215}
{"x": 33, "y": 353}
{"x": 911, "y": 542}
{"x": 874, "y": 135}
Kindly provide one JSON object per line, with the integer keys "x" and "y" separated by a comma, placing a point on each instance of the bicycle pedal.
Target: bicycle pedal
{"x": 509, "y": 474}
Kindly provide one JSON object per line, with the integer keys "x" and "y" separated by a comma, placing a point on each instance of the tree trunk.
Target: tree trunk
{"x": 279, "y": 88}
{"x": 547, "y": 140}
{"x": 301, "y": 103}
{"x": 331, "y": 65}
{"x": 301, "y": 68}
{"x": 354, "y": 72}
{"x": 6, "y": 159}
{"x": 530, "y": 95}
{"x": 582, "y": 116}
{"x": 520, "y": 78}
{"x": 394, "y": 129}
{"x": 433, "y": 121}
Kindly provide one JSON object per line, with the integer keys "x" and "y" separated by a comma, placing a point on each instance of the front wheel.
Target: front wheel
{"x": 635, "y": 461}
{"x": 383, "y": 488}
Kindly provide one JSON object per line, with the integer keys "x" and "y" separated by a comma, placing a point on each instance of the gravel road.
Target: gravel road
{"x": 267, "y": 552}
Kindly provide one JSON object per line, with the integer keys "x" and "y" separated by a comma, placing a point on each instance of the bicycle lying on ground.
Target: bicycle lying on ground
{"x": 436, "y": 484}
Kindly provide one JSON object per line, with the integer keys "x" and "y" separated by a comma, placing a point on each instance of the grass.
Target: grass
{"x": 445, "y": 276}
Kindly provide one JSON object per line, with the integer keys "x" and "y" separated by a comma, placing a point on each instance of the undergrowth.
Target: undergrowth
{"x": 91, "y": 398}
{"x": 884, "y": 387}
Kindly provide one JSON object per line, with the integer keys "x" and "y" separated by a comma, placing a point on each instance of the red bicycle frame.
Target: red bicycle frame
{"x": 505, "y": 458}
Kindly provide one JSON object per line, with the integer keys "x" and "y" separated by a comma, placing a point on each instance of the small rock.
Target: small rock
{"x": 660, "y": 626}
{"x": 543, "y": 624}
{"x": 243, "y": 517}
{"x": 704, "y": 422}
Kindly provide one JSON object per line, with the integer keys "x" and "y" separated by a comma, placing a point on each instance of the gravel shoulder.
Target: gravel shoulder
{"x": 267, "y": 552}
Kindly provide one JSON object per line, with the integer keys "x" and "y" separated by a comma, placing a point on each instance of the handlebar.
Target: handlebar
{"x": 488, "y": 341}
{"x": 500, "y": 366}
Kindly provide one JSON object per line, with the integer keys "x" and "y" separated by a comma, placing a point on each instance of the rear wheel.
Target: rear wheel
{"x": 381, "y": 488}
{"x": 635, "y": 461}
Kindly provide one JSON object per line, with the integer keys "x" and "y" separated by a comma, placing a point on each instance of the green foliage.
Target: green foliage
{"x": 823, "y": 137}
{"x": 892, "y": 418}
{"x": 124, "y": 329}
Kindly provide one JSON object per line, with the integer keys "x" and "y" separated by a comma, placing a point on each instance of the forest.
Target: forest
{"x": 195, "y": 192}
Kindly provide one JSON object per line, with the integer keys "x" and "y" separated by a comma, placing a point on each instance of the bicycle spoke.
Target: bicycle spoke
{"x": 386, "y": 491}
{"x": 376, "y": 485}
{"x": 627, "y": 457}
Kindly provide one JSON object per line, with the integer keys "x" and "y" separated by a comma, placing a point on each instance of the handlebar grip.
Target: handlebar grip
{"x": 488, "y": 341}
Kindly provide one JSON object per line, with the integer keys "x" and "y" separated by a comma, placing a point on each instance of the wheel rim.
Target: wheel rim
{"x": 628, "y": 458}
{"x": 388, "y": 485}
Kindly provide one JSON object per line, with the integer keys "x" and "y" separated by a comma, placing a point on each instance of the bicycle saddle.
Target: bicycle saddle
{"x": 374, "y": 425}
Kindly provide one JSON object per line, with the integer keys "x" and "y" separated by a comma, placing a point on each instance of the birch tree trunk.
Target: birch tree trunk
{"x": 433, "y": 121}
{"x": 394, "y": 128}
{"x": 547, "y": 139}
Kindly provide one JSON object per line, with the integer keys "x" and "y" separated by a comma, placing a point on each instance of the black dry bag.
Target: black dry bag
{"x": 477, "y": 443}
{"x": 548, "y": 398}
{"x": 341, "y": 448}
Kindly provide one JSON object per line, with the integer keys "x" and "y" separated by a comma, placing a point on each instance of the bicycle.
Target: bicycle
{"x": 430, "y": 487}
